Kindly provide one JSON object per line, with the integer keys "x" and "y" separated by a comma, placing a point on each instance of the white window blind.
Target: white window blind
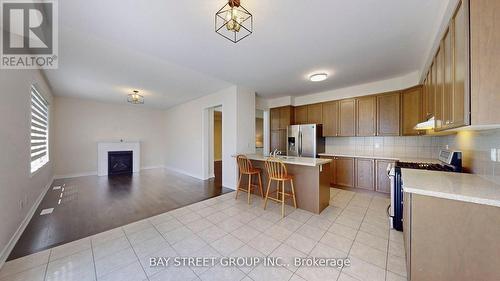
{"x": 39, "y": 130}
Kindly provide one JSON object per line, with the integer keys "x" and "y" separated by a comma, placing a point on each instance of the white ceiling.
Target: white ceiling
{"x": 169, "y": 50}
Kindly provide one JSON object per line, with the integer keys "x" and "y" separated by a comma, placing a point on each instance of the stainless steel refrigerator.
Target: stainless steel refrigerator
{"x": 305, "y": 140}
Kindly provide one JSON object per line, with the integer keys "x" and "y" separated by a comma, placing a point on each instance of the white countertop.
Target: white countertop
{"x": 455, "y": 186}
{"x": 292, "y": 160}
{"x": 401, "y": 159}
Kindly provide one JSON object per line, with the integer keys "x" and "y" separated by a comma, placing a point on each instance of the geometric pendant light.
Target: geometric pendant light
{"x": 233, "y": 21}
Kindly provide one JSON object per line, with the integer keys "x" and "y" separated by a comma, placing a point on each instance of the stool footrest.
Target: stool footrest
{"x": 245, "y": 188}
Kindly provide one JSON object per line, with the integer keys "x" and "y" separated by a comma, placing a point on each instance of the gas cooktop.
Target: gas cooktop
{"x": 425, "y": 166}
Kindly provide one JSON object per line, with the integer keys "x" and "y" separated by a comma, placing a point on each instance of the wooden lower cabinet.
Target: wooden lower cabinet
{"x": 450, "y": 240}
{"x": 344, "y": 171}
{"x": 382, "y": 181}
{"x": 365, "y": 173}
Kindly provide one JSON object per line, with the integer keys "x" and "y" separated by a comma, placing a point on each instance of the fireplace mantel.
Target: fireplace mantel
{"x": 102, "y": 155}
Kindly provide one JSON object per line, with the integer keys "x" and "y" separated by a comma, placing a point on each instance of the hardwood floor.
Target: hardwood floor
{"x": 218, "y": 171}
{"x": 92, "y": 204}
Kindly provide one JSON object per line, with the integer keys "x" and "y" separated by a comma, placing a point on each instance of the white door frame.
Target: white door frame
{"x": 208, "y": 144}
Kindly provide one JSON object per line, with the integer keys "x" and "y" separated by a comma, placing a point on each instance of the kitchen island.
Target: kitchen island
{"x": 311, "y": 178}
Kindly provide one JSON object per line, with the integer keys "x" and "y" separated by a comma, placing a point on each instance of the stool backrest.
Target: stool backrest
{"x": 276, "y": 169}
{"x": 244, "y": 164}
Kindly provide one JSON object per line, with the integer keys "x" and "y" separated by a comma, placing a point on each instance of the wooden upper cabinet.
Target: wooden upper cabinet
{"x": 484, "y": 61}
{"x": 347, "y": 118}
{"x": 433, "y": 89}
{"x": 382, "y": 181}
{"x": 281, "y": 117}
{"x": 428, "y": 97}
{"x": 275, "y": 140}
{"x": 439, "y": 61}
{"x": 314, "y": 113}
{"x": 447, "y": 113}
{"x": 286, "y": 117}
{"x": 365, "y": 116}
{"x": 275, "y": 118}
{"x": 411, "y": 110}
{"x": 330, "y": 119}
{"x": 278, "y": 140}
{"x": 365, "y": 173}
{"x": 460, "y": 58}
{"x": 388, "y": 108}
{"x": 301, "y": 114}
{"x": 344, "y": 171}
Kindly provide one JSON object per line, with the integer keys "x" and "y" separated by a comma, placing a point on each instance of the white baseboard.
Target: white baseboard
{"x": 184, "y": 172}
{"x": 13, "y": 240}
{"x": 94, "y": 173}
{"x": 75, "y": 175}
{"x": 152, "y": 167}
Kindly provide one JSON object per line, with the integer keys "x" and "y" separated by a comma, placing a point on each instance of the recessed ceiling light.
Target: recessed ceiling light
{"x": 318, "y": 77}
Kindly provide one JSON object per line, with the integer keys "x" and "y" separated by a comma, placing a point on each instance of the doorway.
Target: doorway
{"x": 217, "y": 144}
{"x": 259, "y": 131}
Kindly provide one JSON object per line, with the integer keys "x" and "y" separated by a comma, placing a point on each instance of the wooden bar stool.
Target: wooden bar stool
{"x": 277, "y": 171}
{"x": 246, "y": 168}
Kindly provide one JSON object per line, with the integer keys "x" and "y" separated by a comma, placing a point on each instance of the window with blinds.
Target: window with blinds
{"x": 39, "y": 130}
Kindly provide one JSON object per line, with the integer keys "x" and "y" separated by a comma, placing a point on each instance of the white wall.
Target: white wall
{"x": 186, "y": 143}
{"x": 79, "y": 124}
{"x": 16, "y": 184}
{"x": 246, "y": 126}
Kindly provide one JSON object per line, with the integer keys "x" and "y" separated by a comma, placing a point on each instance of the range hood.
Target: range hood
{"x": 426, "y": 125}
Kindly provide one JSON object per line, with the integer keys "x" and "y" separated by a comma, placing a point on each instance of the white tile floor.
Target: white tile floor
{"x": 355, "y": 226}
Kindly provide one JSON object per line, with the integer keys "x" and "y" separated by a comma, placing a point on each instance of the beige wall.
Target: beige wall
{"x": 16, "y": 183}
{"x": 217, "y": 135}
{"x": 188, "y": 152}
{"x": 481, "y": 152}
{"x": 80, "y": 124}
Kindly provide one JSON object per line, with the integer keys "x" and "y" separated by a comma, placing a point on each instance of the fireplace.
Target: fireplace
{"x": 120, "y": 162}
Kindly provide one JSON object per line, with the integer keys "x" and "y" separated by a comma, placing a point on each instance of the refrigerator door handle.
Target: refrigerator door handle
{"x": 300, "y": 143}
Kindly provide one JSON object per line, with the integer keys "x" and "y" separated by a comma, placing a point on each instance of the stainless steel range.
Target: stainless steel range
{"x": 449, "y": 161}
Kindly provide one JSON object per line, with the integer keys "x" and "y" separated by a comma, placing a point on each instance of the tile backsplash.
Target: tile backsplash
{"x": 481, "y": 151}
{"x": 414, "y": 147}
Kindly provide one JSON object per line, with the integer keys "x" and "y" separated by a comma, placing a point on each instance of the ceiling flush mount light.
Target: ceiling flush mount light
{"x": 135, "y": 98}
{"x": 233, "y": 21}
{"x": 318, "y": 77}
